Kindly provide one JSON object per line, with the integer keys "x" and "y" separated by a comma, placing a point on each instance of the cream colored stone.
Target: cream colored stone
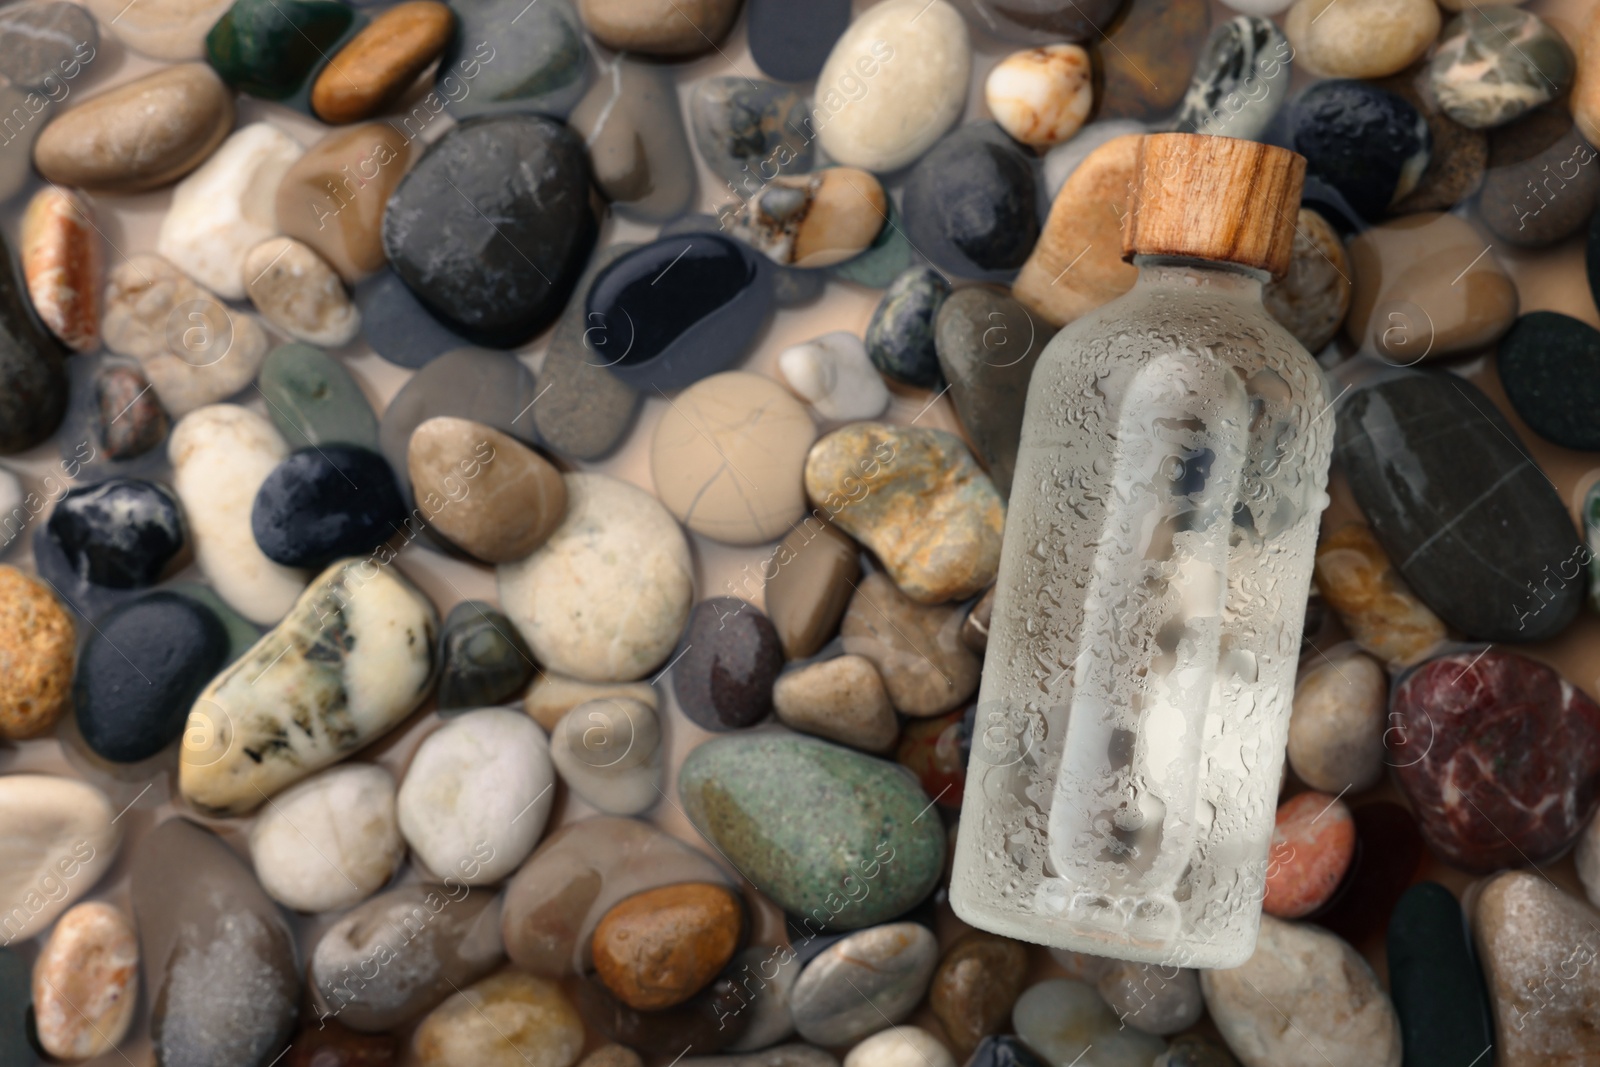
{"x": 56, "y": 839}
{"x": 331, "y": 841}
{"x": 728, "y": 458}
{"x": 86, "y": 982}
{"x": 1336, "y": 730}
{"x": 506, "y": 1020}
{"x": 1360, "y": 38}
{"x": 551, "y": 696}
{"x": 161, "y": 29}
{"x": 299, "y": 293}
{"x": 1041, "y": 96}
{"x": 835, "y": 376}
{"x": 608, "y": 751}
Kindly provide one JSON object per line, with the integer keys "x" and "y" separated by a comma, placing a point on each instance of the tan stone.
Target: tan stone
{"x": 658, "y": 948}
{"x": 1381, "y": 612}
{"x": 1427, "y": 286}
{"x": 298, "y": 292}
{"x": 842, "y": 699}
{"x": 173, "y": 30}
{"x": 86, "y": 982}
{"x": 612, "y": 1056}
{"x": 976, "y": 986}
{"x": 1336, "y": 730}
{"x": 505, "y": 1020}
{"x": 810, "y": 578}
{"x": 61, "y": 264}
{"x": 843, "y": 211}
{"x": 551, "y": 696}
{"x": 659, "y": 27}
{"x": 1585, "y": 99}
{"x": 333, "y": 197}
{"x": 1077, "y": 264}
{"x": 502, "y": 499}
{"x": 380, "y": 63}
{"x": 1312, "y": 299}
{"x": 140, "y": 135}
{"x": 37, "y": 643}
{"x": 1360, "y": 38}
{"x": 917, "y": 648}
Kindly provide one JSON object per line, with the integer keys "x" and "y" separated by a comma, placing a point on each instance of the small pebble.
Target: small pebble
{"x": 1369, "y": 144}
{"x": 871, "y": 979}
{"x": 505, "y": 56}
{"x": 505, "y": 1020}
{"x": 123, "y": 533}
{"x": 608, "y": 751}
{"x": 658, "y": 948}
{"x": 1041, "y": 96}
{"x": 551, "y": 696}
{"x": 1148, "y": 57}
{"x": 900, "y": 336}
{"x": 916, "y": 648}
{"x": 1381, "y": 612}
{"x": 332, "y": 198}
{"x": 377, "y": 65}
{"x": 331, "y": 841}
{"x": 971, "y": 203}
{"x": 749, "y": 132}
{"x": 1312, "y": 299}
{"x": 40, "y": 41}
{"x": 1147, "y": 998}
{"x": 977, "y": 983}
{"x": 724, "y": 677}
{"x": 298, "y": 292}
{"x": 1493, "y": 65}
{"x": 37, "y": 644}
{"x": 314, "y": 401}
{"x": 659, "y": 27}
{"x": 483, "y": 660}
{"x": 1363, "y": 38}
{"x": 1544, "y": 364}
{"x": 86, "y": 982}
{"x": 809, "y": 580}
{"x": 270, "y": 48}
{"x": 129, "y": 419}
{"x": 1240, "y": 82}
{"x": 1063, "y": 1020}
{"x": 813, "y": 220}
{"x": 842, "y": 699}
{"x": 324, "y": 503}
{"x": 500, "y": 499}
{"x": 900, "y": 1046}
{"x": 61, "y": 263}
{"x": 1541, "y": 147}
{"x": 833, "y": 374}
{"x": 1312, "y": 843}
{"x": 1336, "y": 729}
{"x": 477, "y": 794}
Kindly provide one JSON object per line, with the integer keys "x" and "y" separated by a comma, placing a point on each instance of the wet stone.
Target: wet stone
{"x": 937, "y": 751}
{"x": 1540, "y": 187}
{"x": 1149, "y": 56}
{"x": 1493, "y": 65}
{"x": 483, "y": 660}
{"x": 496, "y": 499}
{"x": 975, "y": 987}
{"x": 323, "y": 503}
{"x": 1485, "y": 503}
{"x": 270, "y": 48}
{"x": 732, "y": 656}
{"x": 1312, "y": 843}
{"x": 632, "y": 127}
{"x": 1240, "y": 82}
{"x": 508, "y": 57}
{"x": 61, "y": 264}
{"x": 1061, "y": 1020}
{"x": 917, "y": 648}
{"x": 658, "y": 948}
{"x": 900, "y": 336}
{"x": 1369, "y": 144}
{"x": 376, "y": 66}
{"x": 313, "y": 400}
{"x": 676, "y": 310}
{"x": 791, "y": 43}
{"x": 298, "y": 292}
{"x": 1547, "y": 364}
{"x": 1434, "y": 980}
{"x": 499, "y": 283}
{"x": 749, "y": 132}
{"x": 972, "y": 203}
{"x": 129, "y": 419}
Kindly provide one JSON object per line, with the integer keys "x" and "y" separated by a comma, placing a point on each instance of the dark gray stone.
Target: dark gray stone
{"x": 485, "y": 660}
{"x": 749, "y": 132}
{"x": 33, "y": 370}
{"x": 397, "y": 325}
{"x": 1550, "y": 368}
{"x": 584, "y": 411}
{"x": 900, "y": 336}
{"x": 971, "y": 205}
{"x": 791, "y": 41}
{"x": 509, "y": 55}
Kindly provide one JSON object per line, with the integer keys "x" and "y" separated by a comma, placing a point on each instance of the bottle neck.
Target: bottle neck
{"x": 1217, "y": 276}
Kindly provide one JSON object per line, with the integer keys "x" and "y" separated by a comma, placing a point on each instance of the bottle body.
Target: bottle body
{"x": 1140, "y": 670}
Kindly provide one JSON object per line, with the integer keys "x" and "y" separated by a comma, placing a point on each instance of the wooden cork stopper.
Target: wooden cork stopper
{"x": 1214, "y": 198}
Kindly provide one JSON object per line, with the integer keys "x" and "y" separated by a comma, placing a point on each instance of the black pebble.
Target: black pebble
{"x": 122, "y": 533}
{"x": 1550, "y": 367}
{"x": 324, "y": 503}
{"x": 486, "y": 661}
{"x": 790, "y": 41}
{"x": 1361, "y": 140}
{"x": 971, "y": 204}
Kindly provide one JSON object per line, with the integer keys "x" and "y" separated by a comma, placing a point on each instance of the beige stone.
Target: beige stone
{"x": 1336, "y": 730}
{"x": 1360, "y": 38}
{"x": 86, "y": 982}
{"x": 659, "y": 27}
{"x": 1585, "y": 100}
{"x": 842, "y": 699}
{"x": 505, "y": 1020}
{"x": 1312, "y": 299}
{"x": 728, "y": 456}
{"x": 551, "y": 696}
{"x": 1381, "y": 612}
{"x": 61, "y": 264}
{"x": 332, "y": 198}
{"x": 37, "y": 648}
{"x": 1077, "y": 264}
{"x": 59, "y": 838}
{"x": 172, "y": 30}
{"x": 298, "y": 292}
{"x": 1041, "y": 96}
{"x": 917, "y": 648}
{"x": 810, "y": 578}
{"x": 502, "y": 498}
{"x": 140, "y": 135}
{"x": 1427, "y": 286}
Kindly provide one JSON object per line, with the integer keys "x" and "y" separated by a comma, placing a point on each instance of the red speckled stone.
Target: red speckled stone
{"x": 1499, "y": 755}
{"x": 936, "y": 751}
{"x": 1312, "y": 844}
{"x": 1388, "y": 853}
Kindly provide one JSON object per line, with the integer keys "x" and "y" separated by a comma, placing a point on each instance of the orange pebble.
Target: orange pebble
{"x": 1312, "y": 844}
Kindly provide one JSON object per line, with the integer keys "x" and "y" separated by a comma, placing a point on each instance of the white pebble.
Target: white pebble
{"x": 608, "y": 751}
{"x": 900, "y": 1046}
{"x": 833, "y": 374}
{"x": 56, "y": 839}
{"x": 1041, "y": 96}
{"x": 300, "y": 293}
{"x": 331, "y": 841}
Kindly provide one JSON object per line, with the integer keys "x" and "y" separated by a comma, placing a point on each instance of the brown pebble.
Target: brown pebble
{"x": 612, "y": 1056}
{"x": 381, "y": 62}
{"x": 976, "y": 986}
{"x": 1381, "y": 612}
{"x": 658, "y": 948}
{"x": 36, "y": 653}
{"x": 333, "y": 197}
{"x": 130, "y": 419}
{"x": 810, "y": 577}
{"x": 659, "y": 27}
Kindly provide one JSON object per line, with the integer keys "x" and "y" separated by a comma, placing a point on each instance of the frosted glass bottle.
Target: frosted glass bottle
{"x": 1141, "y": 659}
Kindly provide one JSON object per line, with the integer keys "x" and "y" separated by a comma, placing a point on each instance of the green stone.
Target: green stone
{"x": 831, "y": 835}
{"x": 313, "y": 400}
{"x": 270, "y": 48}
{"x": 485, "y": 660}
{"x": 15, "y": 998}
{"x": 242, "y": 633}
{"x": 1434, "y": 981}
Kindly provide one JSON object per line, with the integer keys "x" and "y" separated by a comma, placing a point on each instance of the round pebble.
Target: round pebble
{"x": 1311, "y": 300}
{"x": 1497, "y": 63}
{"x": 60, "y": 839}
{"x": 483, "y": 660}
{"x": 1524, "y": 153}
{"x": 331, "y": 841}
{"x": 1367, "y": 143}
{"x": 857, "y": 986}
{"x": 658, "y": 948}
{"x": 497, "y": 499}
{"x": 731, "y": 657}
{"x": 972, "y": 203}
{"x": 1312, "y": 844}
{"x": 1336, "y": 730}
{"x": 86, "y": 982}
{"x": 505, "y": 1020}
{"x": 900, "y": 336}
{"x": 833, "y": 374}
{"x": 323, "y": 503}
{"x": 122, "y": 533}
{"x": 1361, "y": 38}
{"x": 1041, "y": 96}
{"x": 975, "y": 987}
{"x": 608, "y": 751}
{"x": 37, "y": 643}
{"x": 299, "y": 293}
{"x": 841, "y": 699}
{"x": 61, "y": 261}
{"x": 900, "y": 1046}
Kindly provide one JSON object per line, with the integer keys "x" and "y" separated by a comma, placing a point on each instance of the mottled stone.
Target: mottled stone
{"x": 1311, "y": 300}
{"x": 128, "y": 418}
{"x": 1540, "y": 187}
{"x": 298, "y": 292}
{"x": 812, "y": 220}
{"x": 332, "y": 198}
{"x": 1148, "y": 56}
{"x": 900, "y": 336}
{"x": 60, "y": 251}
{"x": 270, "y": 48}
{"x": 505, "y": 1020}
{"x": 434, "y": 940}
{"x": 723, "y": 678}
{"x": 313, "y": 400}
{"x": 378, "y": 64}
{"x": 331, "y": 841}
{"x": 658, "y": 948}
{"x": 37, "y": 643}
{"x": 663, "y": 28}
{"x": 33, "y": 378}
{"x": 506, "y": 56}
{"x": 972, "y": 203}
{"x": 1434, "y": 980}
{"x": 1546, "y": 366}
{"x": 140, "y": 135}
{"x": 916, "y": 498}
{"x": 1376, "y": 606}
{"x": 810, "y": 578}
{"x": 1240, "y": 82}
{"x": 631, "y": 124}
{"x": 351, "y": 659}
{"x": 503, "y": 499}
{"x": 1041, "y": 96}
{"x": 604, "y": 598}
{"x": 1514, "y": 786}
{"x": 482, "y": 659}
{"x": 1369, "y": 144}
{"x": 855, "y": 987}
{"x": 1493, "y": 65}
{"x": 749, "y": 132}
{"x": 841, "y": 699}
{"x": 1486, "y": 502}
{"x": 123, "y": 533}
{"x": 808, "y": 821}
{"x": 86, "y": 983}
{"x": 1063, "y": 1020}
{"x": 917, "y": 648}
{"x": 1336, "y": 730}
{"x": 978, "y": 981}
{"x": 608, "y": 752}
{"x": 218, "y": 958}
{"x": 1312, "y": 844}
{"x": 937, "y": 751}
{"x": 324, "y": 503}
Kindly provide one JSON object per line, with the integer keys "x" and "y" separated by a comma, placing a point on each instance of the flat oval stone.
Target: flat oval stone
{"x": 791, "y": 44}
{"x": 937, "y": 751}
{"x": 917, "y": 648}
{"x": 269, "y": 48}
{"x": 835, "y": 376}
{"x": 975, "y": 987}
{"x": 1515, "y": 786}
{"x": 987, "y": 344}
{"x": 476, "y": 795}
{"x": 854, "y": 986}
{"x": 895, "y": 81}
{"x": 707, "y": 1022}
{"x": 212, "y": 941}
{"x": 813, "y": 220}
{"x": 1493, "y": 65}
{"x": 972, "y": 203}
{"x": 221, "y": 455}
{"x": 226, "y": 207}
{"x": 86, "y": 982}
{"x": 37, "y": 642}
{"x": 658, "y": 948}
{"x": 60, "y": 839}
{"x": 332, "y": 198}
{"x": 497, "y": 283}
{"x": 128, "y": 419}
{"x": 1337, "y": 727}
{"x": 1240, "y": 82}
{"x": 749, "y": 131}
{"x": 1327, "y": 992}
{"x": 1403, "y": 305}
{"x": 1063, "y": 1020}
{"x": 1484, "y": 500}
{"x": 900, "y": 335}
{"x": 808, "y": 583}
{"x": 192, "y": 347}
{"x": 123, "y": 533}
{"x": 61, "y": 263}
{"x": 1311, "y": 300}
{"x": 1378, "y": 609}
{"x": 929, "y": 513}
{"x": 841, "y": 699}
{"x": 1434, "y": 980}
{"x": 1041, "y": 96}
{"x": 608, "y": 752}
{"x": 814, "y": 825}
{"x": 1312, "y": 844}
{"x": 510, "y": 57}
{"x": 605, "y": 597}
{"x": 298, "y": 292}
{"x": 1041, "y": 21}
{"x": 1366, "y": 39}
{"x": 33, "y": 374}
{"x": 314, "y": 401}
{"x": 1545, "y": 366}
{"x": 1538, "y": 147}
{"x": 731, "y": 657}
{"x": 141, "y": 669}
{"x": 554, "y": 903}
{"x": 172, "y": 30}
{"x": 322, "y": 503}
{"x": 505, "y": 1020}
{"x": 483, "y": 660}
{"x": 745, "y": 501}
{"x": 501, "y": 499}
{"x": 381, "y": 62}
{"x": 659, "y": 27}
{"x": 140, "y": 135}
{"x": 631, "y": 124}
{"x": 331, "y": 841}
{"x": 434, "y": 939}
{"x": 353, "y": 657}
{"x": 653, "y": 333}
{"x": 1369, "y": 144}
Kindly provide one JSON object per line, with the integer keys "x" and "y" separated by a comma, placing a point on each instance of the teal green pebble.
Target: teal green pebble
{"x": 15, "y": 997}
{"x": 827, "y": 833}
{"x": 270, "y": 48}
{"x": 313, "y": 400}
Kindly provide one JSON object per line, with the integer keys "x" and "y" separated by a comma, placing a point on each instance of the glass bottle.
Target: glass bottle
{"x": 1158, "y": 552}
